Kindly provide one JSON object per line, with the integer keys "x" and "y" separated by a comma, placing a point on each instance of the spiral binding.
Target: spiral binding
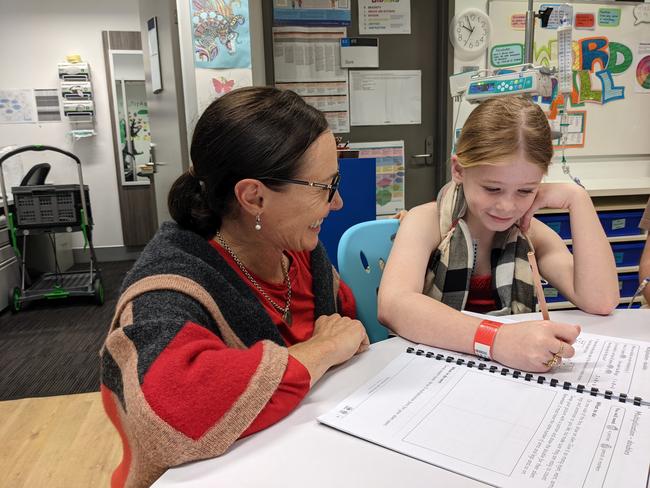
{"x": 554, "y": 382}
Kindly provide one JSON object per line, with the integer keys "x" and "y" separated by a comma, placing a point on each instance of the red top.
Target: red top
{"x": 480, "y": 298}
{"x": 302, "y": 296}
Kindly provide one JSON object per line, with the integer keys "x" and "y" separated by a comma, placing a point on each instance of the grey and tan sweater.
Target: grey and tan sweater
{"x": 192, "y": 362}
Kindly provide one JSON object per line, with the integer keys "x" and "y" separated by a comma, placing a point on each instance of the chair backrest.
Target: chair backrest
{"x": 362, "y": 253}
{"x": 36, "y": 175}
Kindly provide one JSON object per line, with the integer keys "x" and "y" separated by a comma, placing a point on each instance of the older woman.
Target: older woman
{"x": 233, "y": 311}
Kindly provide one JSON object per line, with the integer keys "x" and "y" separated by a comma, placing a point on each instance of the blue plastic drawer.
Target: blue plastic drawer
{"x": 628, "y": 283}
{"x": 626, "y": 305}
{"x": 621, "y": 223}
{"x": 627, "y": 253}
{"x": 552, "y": 295}
{"x": 558, "y": 222}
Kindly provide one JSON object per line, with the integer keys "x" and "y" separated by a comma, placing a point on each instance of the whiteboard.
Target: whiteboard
{"x": 617, "y": 48}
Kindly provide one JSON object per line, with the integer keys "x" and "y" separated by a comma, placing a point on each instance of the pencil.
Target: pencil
{"x": 538, "y": 285}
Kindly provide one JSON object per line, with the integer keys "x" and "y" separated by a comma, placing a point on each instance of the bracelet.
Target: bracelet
{"x": 484, "y": 338}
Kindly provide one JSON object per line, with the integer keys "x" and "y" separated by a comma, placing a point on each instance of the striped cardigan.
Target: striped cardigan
{"x": 192, "y": 358}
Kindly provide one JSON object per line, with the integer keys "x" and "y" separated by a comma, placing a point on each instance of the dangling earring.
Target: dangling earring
{"x": 258, "y": 223}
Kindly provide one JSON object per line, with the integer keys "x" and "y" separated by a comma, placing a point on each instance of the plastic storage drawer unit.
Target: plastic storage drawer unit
{"x": 627, "y": 253}
{"x": 558, "y": 222}
{"x": 627, "y": 284}
{"x": 621, "y": 223}
{"x": 552, "y": 295}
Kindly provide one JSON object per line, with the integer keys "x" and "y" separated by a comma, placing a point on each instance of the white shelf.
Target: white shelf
{"x": 602, "y": 187}
{"x": 627, "y": 269}
{"x": 566, "y": 305}
{"x": 631, "y": 238}
{"x": 610, "y": 203}
{"x": 559, "y": 306}
{"x": 638, "y": 237}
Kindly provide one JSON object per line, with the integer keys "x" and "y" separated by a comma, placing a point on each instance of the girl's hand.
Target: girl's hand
{"x": 552, "y": 195}
{"x": 400, "y": 215}
{"x": 530, "y": 345}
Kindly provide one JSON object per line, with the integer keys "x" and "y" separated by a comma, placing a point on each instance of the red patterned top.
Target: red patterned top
{"x": 480, "y": 298}
{"x": 302, "y": 296}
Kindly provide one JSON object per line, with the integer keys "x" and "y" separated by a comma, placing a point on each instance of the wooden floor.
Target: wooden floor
{"x": 62, "y": 441}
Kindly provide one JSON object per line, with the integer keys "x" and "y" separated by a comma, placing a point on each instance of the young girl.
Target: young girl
{"x": 468, "y": 250}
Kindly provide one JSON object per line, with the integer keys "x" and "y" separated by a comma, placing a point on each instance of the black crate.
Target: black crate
{"x": 49, "y": 206}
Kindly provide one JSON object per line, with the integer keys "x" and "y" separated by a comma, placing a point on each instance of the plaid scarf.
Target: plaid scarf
{"x": 450, "y": 266}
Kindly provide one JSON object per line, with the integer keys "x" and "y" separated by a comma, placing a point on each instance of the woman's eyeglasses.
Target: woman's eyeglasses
{"x": 332, "y": 187}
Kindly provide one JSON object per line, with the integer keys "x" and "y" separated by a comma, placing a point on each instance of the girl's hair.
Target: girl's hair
{"x": 501, "y": 127}
{"x": 252, "y": 132}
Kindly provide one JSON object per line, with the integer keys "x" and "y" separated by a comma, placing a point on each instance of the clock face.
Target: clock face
{"x": 470, "y": 32}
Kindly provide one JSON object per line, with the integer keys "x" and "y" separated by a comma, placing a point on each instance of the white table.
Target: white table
{"x": 300, "y": 452}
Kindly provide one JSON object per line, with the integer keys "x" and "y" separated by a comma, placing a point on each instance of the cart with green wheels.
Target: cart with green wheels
{"x": 51, "y": 209}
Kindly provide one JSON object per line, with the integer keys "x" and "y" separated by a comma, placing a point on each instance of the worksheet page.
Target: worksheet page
{"x": 498, "y": 429}
{"x": 603, "y": 362}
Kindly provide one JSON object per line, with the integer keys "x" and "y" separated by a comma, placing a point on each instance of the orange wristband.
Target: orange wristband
{"x": 484, "y": 338}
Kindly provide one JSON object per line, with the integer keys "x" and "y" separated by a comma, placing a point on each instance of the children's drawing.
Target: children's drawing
{"x": 220, "y": 33}
{"x": 643, "y": 73}
{"x": 212, "y": 84}
{"x": 222, "y": 85}
{"x": 17, "y": 107}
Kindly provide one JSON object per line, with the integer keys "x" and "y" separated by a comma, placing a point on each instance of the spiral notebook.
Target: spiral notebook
{"x": 585, "y": 425}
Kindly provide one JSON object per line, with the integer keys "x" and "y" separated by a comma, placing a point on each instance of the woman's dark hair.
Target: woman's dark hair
{"x": 253, "y": 132}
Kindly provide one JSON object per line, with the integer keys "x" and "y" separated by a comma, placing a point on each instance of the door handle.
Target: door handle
{"x": 426, "y": 158}
{"x": 152, "y": 156}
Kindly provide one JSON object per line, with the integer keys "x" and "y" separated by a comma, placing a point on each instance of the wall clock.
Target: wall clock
{"x": 469, "y": 33}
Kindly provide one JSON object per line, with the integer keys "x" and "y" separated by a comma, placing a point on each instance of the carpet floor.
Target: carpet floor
{"x": 52, "y": 347}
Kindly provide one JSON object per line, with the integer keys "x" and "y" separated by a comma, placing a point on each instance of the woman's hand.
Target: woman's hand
{"x": 553, "y": 195}
{"x": 347, "y": 336}
{"x": 335, "y": 340}
{"x": 529, "y": 346}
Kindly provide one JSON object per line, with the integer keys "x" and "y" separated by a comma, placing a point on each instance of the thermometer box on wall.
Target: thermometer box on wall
{"x": 78, "y": 108}
{"x": 76, "y": 70}
{"x": 76, "y": 90}
{"x": 359, "y": 52}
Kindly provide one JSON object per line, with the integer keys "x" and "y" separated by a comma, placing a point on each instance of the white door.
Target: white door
{"x": 164, "y": 97}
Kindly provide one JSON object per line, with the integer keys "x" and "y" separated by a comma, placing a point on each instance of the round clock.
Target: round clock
{"x": 469, "y": 32}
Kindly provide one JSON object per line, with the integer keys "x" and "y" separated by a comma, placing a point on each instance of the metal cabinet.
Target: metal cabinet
{"x": 9, "y": 270}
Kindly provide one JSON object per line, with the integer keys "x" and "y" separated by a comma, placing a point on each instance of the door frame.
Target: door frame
{"x": 137, "y": 202}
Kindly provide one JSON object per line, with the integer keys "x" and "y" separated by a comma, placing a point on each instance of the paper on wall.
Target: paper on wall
{"x": 382, "y": 97}
{"x": 329, "y": 12}
{"x": 302, "y": 54}
{"x": 220, "y": 33}
{"x": 17, "y": 106}
{"x": 214, "y": 83}
{"x": 390, "y": 176}
{"x": 642, "y": 68}
{"x": 329, "y": 97}
{"x": 385, "y": 17}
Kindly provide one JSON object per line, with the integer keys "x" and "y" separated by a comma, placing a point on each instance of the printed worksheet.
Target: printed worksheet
{"x": 603, "y": 362}
{"x": 498, "y": 429}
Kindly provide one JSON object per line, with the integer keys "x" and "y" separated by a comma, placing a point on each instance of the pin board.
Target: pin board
{"x": 611, "y": 70}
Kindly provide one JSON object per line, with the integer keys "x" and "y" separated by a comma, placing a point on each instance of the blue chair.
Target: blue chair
{"x": 362, "y": 253}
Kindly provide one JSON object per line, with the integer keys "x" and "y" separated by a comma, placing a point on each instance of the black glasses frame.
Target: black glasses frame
{"x": 332, "y": 187}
